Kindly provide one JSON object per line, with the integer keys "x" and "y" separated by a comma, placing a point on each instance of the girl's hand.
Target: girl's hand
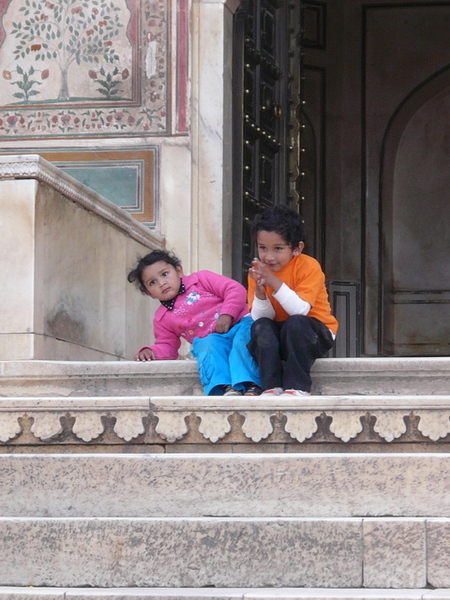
{"x": 145, "y": 354}
{"x": 264, "y": 277}
{"x": 223, "y": 323}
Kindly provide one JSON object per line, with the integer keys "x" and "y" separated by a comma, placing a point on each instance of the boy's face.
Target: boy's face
{"x": 274, "y": 251}
{"x": 162, "y": 280}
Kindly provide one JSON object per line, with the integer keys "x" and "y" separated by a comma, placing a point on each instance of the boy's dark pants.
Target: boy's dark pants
{"x": 296, "y": 342}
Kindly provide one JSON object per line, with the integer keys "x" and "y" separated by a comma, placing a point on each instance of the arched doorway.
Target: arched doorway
{"x": 415, "y": 219}
{"x": 374, "y": 119}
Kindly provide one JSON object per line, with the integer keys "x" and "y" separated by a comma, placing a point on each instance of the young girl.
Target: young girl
{"x": 207, "y": 310}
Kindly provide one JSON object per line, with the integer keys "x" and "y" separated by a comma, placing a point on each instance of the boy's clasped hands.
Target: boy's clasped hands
{"x": 263, "y": 276}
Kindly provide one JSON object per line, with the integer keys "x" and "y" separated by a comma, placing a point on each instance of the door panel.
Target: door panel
{"x": 263, "y": 91}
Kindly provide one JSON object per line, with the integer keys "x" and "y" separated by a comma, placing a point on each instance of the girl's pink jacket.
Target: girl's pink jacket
{"x": 207, "y": 296}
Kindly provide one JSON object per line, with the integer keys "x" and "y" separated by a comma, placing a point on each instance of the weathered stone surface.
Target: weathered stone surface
{"x": 221, "y": 594}
{"x": 228, "y": 485}
{"x": 182, "y": 552}
{"x": 395, "y": 553}
{"x": 15, "y": 593}
{"x": 438, "y": 552}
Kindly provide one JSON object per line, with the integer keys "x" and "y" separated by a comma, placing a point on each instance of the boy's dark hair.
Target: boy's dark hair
{"x": 282, "y": 220}
{"x": 135, "y": 276}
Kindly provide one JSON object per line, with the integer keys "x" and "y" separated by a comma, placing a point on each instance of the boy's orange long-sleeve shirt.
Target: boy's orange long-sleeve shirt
{"x": 303, "y": 274}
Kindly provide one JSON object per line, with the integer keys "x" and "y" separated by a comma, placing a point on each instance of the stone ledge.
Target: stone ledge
{"x": 22, "y": 593}
{"x": 358, "y": 376}
{"x": 213, "y": 420}
{"x": 88, "y": 378}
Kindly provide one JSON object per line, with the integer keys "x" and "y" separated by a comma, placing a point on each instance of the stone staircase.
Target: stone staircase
{"x": 120, "y": 481}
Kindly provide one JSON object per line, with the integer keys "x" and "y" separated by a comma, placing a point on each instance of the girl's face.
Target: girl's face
{"x": 162, "y": 280}
{"x": 274, "y": 251}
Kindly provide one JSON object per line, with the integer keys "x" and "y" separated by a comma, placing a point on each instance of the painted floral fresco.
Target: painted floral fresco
{"x": 83, "y": 68}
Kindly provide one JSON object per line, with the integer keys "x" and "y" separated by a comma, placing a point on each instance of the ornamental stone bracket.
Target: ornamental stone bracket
{"x": 216, "y": 420}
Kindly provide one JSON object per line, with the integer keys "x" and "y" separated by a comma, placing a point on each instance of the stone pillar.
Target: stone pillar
{"x": 211, "y": 34}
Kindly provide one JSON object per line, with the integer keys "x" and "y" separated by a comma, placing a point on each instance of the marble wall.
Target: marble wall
{"x": 133, "y": 92}
{"x": 103, "y": 94}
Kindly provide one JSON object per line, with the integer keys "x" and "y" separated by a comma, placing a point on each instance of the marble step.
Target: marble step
{"x": 428, "y": 375}
{"x": 247, "y": 486}
{"x": 21, "y": 593}
{"x": 226, "y": 552}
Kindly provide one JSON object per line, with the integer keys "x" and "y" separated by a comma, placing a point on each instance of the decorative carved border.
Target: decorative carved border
{"x": 208, "y": 420}
{"x": 143, "y": 109}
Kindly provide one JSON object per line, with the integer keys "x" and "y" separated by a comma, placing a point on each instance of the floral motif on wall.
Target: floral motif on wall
{"x": 83, "y": 68}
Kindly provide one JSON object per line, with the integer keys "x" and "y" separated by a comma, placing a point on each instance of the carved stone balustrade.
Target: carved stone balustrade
{"x": 190, "y": 422}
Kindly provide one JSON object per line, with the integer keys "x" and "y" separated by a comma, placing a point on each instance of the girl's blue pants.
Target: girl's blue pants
{"x": 223, "y": 359}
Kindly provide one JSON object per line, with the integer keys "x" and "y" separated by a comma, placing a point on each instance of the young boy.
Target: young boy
{"x": 289, "y": 304}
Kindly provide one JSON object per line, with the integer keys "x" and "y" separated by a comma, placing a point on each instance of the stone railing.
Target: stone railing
{"x": 199, "y": 421}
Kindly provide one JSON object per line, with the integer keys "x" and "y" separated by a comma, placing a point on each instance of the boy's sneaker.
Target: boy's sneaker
{"x": 276, "y": 391}
{"x": 295, "y": 393}
{"x": 253, "y": 390}
{"x": 230, "y": 391}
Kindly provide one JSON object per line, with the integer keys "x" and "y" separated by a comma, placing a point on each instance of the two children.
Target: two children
{"x": 209, "y": 311}
{"x": 290, "y": 324}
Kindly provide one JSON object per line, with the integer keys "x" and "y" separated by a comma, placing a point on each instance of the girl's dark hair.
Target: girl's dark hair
{"x": 135, "y": 276}
{"x": 282, "y": 220}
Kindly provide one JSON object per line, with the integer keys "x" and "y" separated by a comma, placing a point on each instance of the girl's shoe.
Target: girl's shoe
{"x": 230, "y": 391}
{"x": 253, "y": 390}
{"x": 276, "y": 391}
{"x": 295, "y": 393}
